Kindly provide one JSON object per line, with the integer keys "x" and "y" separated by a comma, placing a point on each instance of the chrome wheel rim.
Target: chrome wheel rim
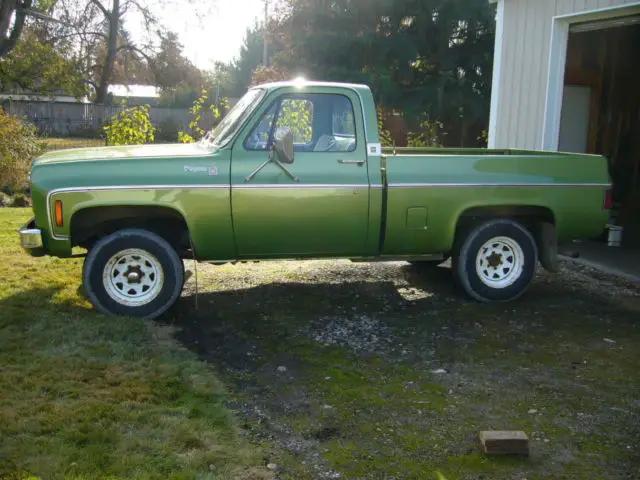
{"x": 500, "y": 262}
{"x": 133, "y": 277}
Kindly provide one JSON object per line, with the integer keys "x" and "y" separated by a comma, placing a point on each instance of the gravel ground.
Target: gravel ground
{"x": 383, "y": 370}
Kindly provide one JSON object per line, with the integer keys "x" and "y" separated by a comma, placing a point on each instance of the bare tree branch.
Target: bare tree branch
{"x": 133, "y": 48}
{"x": 46, "y": 18}
{"x": 149, "y": 17}
{"x": 98, "y": 4}
{"x": 81, "y": 33}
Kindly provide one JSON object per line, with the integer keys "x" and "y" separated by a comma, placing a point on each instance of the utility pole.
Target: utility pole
{"x": 265, "y": 51}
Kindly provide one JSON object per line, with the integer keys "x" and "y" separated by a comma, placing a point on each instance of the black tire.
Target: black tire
{"x": 481, "y": 278}
{"x": 164, "y": 258}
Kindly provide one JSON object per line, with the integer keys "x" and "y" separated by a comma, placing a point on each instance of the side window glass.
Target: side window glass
{"x": 343, "y": 121}
{"x": 258, "y": 139}
{"x": 319, "y": 122}
{"x": 337, "y": 125}
{"x": 297, "y": 114}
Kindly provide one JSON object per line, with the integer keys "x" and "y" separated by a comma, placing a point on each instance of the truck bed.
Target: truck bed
{"x": 429, "y": 189}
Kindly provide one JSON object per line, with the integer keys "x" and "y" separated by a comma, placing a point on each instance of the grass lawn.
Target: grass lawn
{"x": 84, "y": 397}
{"x": 53, "y": 143}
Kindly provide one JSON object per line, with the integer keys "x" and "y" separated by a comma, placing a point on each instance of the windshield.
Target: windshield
{"x": 232, "y": 121}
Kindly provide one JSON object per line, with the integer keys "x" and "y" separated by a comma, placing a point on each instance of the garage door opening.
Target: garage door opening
{"x": 601, "y": 108}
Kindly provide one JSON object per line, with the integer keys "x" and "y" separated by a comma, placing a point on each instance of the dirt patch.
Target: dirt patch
{"x": 383, "y": 371}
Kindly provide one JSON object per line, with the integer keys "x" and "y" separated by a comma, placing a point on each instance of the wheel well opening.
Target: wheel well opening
{"x": 529, "y": 216}
{"x": 91, "y": 224}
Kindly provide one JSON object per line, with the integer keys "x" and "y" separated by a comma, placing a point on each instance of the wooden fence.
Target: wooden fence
{"x": 85, "y": 119}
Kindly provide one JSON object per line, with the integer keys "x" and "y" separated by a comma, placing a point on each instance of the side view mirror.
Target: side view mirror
{"x": 284, "y": 145}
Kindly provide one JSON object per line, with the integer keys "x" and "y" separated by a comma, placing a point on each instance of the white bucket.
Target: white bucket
{"x": 615, "y": 235}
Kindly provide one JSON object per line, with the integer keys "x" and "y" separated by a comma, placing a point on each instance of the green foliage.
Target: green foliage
{"x": 385, "y": 135}
{"x": 179, "y": 80}
{"x": 131, "y": 126}
{"x": 483, "y": 138}
{"x": 182, "y": 96}
{"x": 430, "y": 135}
{"x": 5, "y": 200}
{"x": 167, "y": 131}
{"x": 269, "y": 74}
{"x": 248, "y": 68}
{"x": 432, "y": 58}
{"x": 298, "y": 116}
{"x": 197, "y": 126}
{"x": 21, "y": 200}
{"x": 41, "y": 68}
{"x": 19, "y": 145}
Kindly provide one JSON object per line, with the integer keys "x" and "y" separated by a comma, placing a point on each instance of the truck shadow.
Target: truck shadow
{"x": 231, "y": 326}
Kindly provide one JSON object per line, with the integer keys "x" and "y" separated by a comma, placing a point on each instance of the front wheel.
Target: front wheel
{"x": 133, "y": 273}
{"x": 496, "y": 261}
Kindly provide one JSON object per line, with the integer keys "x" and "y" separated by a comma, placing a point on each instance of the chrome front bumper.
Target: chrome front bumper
{"x": 31, "y": 239}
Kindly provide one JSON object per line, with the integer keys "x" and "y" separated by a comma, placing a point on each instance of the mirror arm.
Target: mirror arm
{"x": 272, "y": 158}
{"x": 286, "y": 170}
{"x": 258, "y": 169}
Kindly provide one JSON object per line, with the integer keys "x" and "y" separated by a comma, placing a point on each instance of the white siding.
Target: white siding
{"x": 519, "y": 108}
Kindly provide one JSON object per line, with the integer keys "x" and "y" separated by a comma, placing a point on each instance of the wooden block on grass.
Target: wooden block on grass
{"x": 505, "y": 442}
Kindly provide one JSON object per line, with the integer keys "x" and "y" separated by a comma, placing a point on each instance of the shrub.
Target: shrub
{"x": 167, "y": 131}
{"x": 430, "y": 135}
{"x": 21, "y": 200}
{"x": 386, "y": 139}
{"x": 483, "y": 138}
{"x": 19, "y": 145}
{"x": 5, "y": 200}
{"x": 131, "y": 126}
{"x": 197, "y": 110}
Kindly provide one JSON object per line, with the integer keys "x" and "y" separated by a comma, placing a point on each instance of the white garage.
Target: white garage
{"x": 567, "y": 77}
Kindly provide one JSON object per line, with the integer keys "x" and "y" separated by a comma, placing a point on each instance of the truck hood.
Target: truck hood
{"x": 129, "y": 151}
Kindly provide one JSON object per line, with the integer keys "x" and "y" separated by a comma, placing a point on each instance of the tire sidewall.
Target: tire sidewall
{"x": 465, "y": 267}
{"x": 155, "y": 245}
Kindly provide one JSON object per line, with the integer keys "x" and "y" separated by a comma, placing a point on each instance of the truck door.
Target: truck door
{"x": 319, "y": 207}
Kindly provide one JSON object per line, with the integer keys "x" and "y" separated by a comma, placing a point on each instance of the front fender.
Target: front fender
{"x": 206, "y": 212}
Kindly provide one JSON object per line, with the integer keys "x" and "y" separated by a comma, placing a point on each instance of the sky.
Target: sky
{"x": 217, "y": 36}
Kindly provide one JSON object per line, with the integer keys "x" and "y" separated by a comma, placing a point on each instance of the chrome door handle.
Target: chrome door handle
{"x": 351, "y": 162}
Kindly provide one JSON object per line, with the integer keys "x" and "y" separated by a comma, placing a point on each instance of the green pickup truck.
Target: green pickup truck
{"x": 296, "y": 170}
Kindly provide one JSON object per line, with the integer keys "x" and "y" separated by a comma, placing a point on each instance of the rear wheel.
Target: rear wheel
{"x": 496, "y": 261}
{"x": 133, "y": 273}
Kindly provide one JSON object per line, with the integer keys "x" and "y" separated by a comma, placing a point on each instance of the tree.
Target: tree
{"x": 249, "y": 59}
{"x": 41, "y": 67}
{"x": 110, "y": 51}
{"x": 42, "y": 60}
{"x": 13, "y": 14}
{"x": 430, "y": 59}
{"x": 180, "y": 81}
{"x": 248, "y": 66}
{"x": 269, "y": 74}
{"x": 91, "y": 36}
